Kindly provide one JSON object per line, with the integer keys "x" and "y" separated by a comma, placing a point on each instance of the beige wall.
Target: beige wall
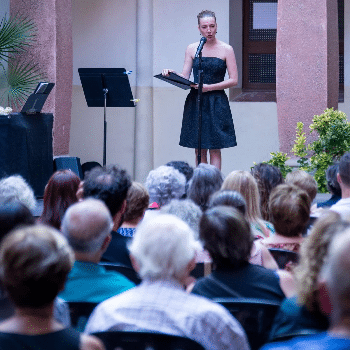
{"x": 87, "y": 132}
{"x": 104, "y": 35}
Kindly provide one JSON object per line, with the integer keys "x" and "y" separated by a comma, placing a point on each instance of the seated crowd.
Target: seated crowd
{"x": 92, "y": 230}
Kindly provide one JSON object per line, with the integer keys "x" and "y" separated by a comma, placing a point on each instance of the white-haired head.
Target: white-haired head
{"x": 16, "y": 188}
{"x": 165, "y": 183}
{"x": 163, "y": 246}
{"x": 186, "y": 210}
{"x": 86, "y": 225}
{"x": 336, "y": 274}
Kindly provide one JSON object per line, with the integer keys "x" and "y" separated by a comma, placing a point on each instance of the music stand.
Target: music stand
{"x": 106, "y": 87}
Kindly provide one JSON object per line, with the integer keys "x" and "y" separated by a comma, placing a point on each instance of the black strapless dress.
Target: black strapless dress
{"x": 217, "y": 125}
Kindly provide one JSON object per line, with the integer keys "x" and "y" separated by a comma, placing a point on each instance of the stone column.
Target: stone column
{"x": 144, "y": 90}
{"x": 307, "y": 64}
{"x": 53, "y": 51}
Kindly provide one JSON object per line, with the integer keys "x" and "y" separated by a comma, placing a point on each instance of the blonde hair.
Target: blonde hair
{"x": 244, "y": 183}
{"x": 313, "y": 253}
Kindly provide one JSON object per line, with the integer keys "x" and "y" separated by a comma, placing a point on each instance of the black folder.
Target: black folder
{"x": 36, "y": 101}
{"x": 176, "y": 80}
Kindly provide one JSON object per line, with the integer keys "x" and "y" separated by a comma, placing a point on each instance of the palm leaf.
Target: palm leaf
{"x": 16, "y": 34}
{"x": 22, "y": 78}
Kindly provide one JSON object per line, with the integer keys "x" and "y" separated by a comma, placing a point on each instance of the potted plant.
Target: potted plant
{"x": 18, "y": 75}
{"x": 333, "y": 141}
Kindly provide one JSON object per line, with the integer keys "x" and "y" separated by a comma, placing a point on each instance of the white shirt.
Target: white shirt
{"x": 342, "y": 207}
{"x": 163, "y": 306}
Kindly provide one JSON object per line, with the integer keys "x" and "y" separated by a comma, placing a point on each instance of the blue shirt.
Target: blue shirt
{"x": 322, "y": 341}
{"x": 92, "y": 283}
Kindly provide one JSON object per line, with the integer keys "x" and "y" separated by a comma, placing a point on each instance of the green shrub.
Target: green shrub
{"x": 333, "y": 141}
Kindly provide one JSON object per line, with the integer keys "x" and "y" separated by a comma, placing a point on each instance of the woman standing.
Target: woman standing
{"x": 217, "y": 125}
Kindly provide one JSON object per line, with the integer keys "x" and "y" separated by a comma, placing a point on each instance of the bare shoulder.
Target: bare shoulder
{"x": 228, "y": 49}
{"x": 192, "y": 48}
{"x": 89, "y": 342}
{"x": 193, "y": 45}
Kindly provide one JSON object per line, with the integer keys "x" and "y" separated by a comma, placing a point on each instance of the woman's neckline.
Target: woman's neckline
{"x": 214, "y": 57}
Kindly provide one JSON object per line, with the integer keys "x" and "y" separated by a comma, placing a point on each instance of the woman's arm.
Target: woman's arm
{"x": 268, "y": 261}
{"x": 287, "y": 283}
{"x": 89, "y": 342}
{"x": 187, "y": 68}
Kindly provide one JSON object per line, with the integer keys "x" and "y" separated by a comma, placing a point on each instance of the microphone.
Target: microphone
{"x": 200, "y": 46}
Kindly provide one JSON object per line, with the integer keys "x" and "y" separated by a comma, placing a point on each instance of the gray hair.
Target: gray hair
{"x": 86, "y": 224}
{"x": 16, "y": 188}
{"x": 229, "y": 198}
{"x": 187, "y": 211}
{"x": 163, "y": 246}
{"x": 165, "y": 183}
{"x": 336, "y": 273}
{"x": 206, "y": 180}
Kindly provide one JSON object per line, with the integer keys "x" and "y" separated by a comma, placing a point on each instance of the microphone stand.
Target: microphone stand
{"x": 199, "y": 108}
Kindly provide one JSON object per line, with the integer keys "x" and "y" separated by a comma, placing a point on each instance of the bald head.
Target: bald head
{"x": 86, "y": 225}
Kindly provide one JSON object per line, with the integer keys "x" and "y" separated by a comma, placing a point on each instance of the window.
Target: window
{"x": 259, "y": 50}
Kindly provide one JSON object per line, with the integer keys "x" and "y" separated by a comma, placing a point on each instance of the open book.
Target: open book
{"x": 176, "y": 80}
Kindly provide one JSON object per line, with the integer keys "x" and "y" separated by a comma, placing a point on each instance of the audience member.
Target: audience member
{"x": 137, "y": 201}
{"x": 187, "y": 211}
{"x": 259, "y": 254}
{"x": 227, "y": 237}
{"x": 244, "y": 183}
{"x": 13, "y": 215}
{"x": 343, "y": 205}
{"x": 191, "y": 213}
{"x": 290, "y": 213}
{"x": 111, "y": 185}
{"x": 303, "y": 180}
{"x": 267, "y": 177}
{"x": 230, "y": 198}
{"x": 34, "y": 263}
{"x": 87, "y": 225}
{"x": 332, "y": 185}
{"x": 163, "y": 252}
{"x": 185, "y": 169}
{"x": 206, "y": 180}
{"x": 164, "y": 184}
{"x": 16, "y": 188}
{"x": 307, "y": 183}
{"x": 334, "y": 286}
{"x": 303, "y": 313}
{"x": 60, "y": 193}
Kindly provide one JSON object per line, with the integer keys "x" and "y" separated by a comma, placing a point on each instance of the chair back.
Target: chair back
{"x": 288, "y": 336}
{"x": 124, "y": 340}
{"x": 126, "y": 271}
{"x": 79, "y": 313}
{"x": 255, "y": 316}
{"x": 202, "y": 269}
{"x": 284, "y": 257}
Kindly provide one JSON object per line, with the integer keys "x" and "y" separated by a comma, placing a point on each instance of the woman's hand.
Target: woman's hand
{"x": 206, "y": 87}
{"x": 166, "y": 72}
